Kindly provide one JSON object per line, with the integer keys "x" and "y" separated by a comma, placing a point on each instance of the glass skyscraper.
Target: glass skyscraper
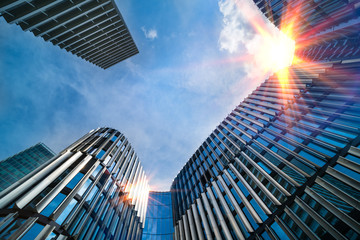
{"x": 15, "y": 168}
{"x": 285, "y": 163}
{"x": 94, "y": 189}
{"x": 159, "y": 218}
{"x": 91, "y": 29}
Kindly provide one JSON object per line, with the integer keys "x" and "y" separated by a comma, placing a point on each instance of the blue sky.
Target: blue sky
{"x": 167, "y": 99}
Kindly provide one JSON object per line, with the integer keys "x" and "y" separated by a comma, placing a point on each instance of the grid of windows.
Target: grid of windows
{"x": 20, "y": 165}
{"x": 92, "y": 29}
{"x": 284, "y": 163}
{"x": 94, "y": 189}
{"x": 159, "y": 219}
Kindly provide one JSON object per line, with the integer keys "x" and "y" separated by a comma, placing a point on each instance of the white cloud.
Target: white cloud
{"x": 150, "y": 34}
{"x": 247, "y": 32}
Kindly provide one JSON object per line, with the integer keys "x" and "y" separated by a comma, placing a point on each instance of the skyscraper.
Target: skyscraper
{"x": 92, "y": 29}
{"x": 94, "y": 189}
{"x": 159, "y": 218}
{"x": 284, "y": 164}
{"x": 14, "y": 168}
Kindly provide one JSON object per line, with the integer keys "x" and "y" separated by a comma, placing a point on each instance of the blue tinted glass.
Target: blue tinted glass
{"x": 330, "y": 140}
{"x": 353, "y": 158}
{"x": 347, "y": 172}
{"x": 97, "y": 170}
{"x": 100, "y": 154}
{"x": 312, "y": 158}
{"x": 159, "y": 223}
{"x": 84, "y": 187}
{"x": 264, "y": 167}
{"x": 321, "y": 149}
{"x": 75, "y": 180}
{"x": 340, "y": 132}
{"x": 259, "y": 211}
{"x": 66, "y": 211}
{"x": 287, "y": 145}
{"x": 33, "y": 232}
{"x": 53, "y": 204}
{"x": 279, "y": 232}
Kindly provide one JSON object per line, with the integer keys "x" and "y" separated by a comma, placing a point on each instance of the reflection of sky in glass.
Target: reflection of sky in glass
{"x": 53, "y": 204}
{"x": 33, "y": 232}
{"x": 66, "y": 212}
{"x": 159, "y": 223}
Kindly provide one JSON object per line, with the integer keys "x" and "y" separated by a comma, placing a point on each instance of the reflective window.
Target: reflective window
{"x": 75, "y": 180}
{"x": 53, "y": 204}
{"x": 66, "y": 211}
{"x": 33, "y": 232}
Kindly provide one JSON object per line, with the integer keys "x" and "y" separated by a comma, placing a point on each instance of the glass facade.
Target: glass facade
{"x": 284, "y": 164}
{"x": 92, "y": 29}
{"x": 159, "y": 218}
{"x": 94, "y": 189}
{"x": 15, "y": 168}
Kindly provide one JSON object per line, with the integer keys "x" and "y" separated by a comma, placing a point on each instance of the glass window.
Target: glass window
{"x": 330, "y": 140}
{"x": 278, "y": 231}
{"x": 53, "y": 204}
{"x": 100, "y": 154}
{"x": 75, "y": 180}
{"x": 321, "y": 149}
{"x": 12, "y": 228}
{"x": 353, "y": 158}
{"x": 84, "y": 187}
{"x": 33, "y": 232}
{"x": 96, "y": 171}
{"x": 312, "y": 158}
{"x": 347, "y": 172}
{"x": 66, "y": 211}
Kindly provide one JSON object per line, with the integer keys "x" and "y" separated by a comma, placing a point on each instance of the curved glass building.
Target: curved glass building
{"x": 94, "y": 189}
{"x": 284, "y": 164}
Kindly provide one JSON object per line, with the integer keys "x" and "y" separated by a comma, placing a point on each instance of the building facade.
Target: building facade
{"x": 159, "y": 219}
{"x": 91, "y": 29}
{"x": 94, "y": 189}
{"x": 323, "y": 30}
{"x": 284, "y": 164}
{"x": 14, "y": 168}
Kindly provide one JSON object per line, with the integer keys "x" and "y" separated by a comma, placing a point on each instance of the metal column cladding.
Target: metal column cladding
{"x": 284, "y": 164}
{"x": 91, "y": 29}
{"x": 94, "y": 189}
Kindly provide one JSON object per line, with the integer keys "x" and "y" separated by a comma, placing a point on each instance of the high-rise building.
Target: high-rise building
{"x": 94, "y": 189}
{"x": 323, "y": 30}
{"x": 159, "y": 218}
{"x": 14, "y": 168}
{"x": 91, "y": 29}
{"x": 284, "y": 164}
